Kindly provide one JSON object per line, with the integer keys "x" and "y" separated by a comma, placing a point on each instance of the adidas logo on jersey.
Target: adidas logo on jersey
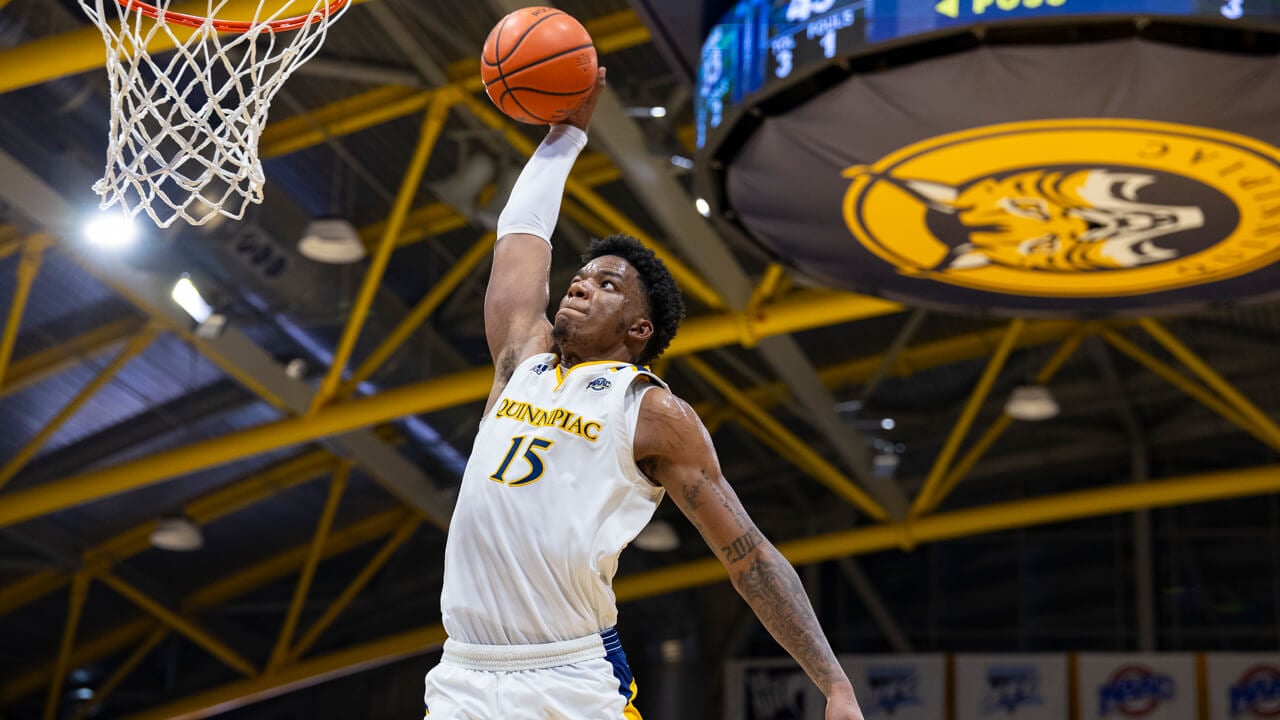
{"x": 539, "y": 369}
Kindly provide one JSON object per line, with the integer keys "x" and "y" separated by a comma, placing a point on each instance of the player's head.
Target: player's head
{"x": 622, "y": 295}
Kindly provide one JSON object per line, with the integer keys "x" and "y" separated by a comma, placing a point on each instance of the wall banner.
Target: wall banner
{"x": 1011, "y": 687}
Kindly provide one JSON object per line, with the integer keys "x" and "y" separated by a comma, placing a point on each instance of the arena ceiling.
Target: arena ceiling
{"x": 1143, "y": 515}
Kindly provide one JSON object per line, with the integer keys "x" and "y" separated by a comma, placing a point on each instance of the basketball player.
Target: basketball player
{"x": 577, "y": 446}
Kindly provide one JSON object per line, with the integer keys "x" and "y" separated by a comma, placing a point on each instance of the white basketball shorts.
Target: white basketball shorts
{"x": 583, "y": 679}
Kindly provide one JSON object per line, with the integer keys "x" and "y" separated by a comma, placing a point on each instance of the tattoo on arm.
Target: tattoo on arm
{"x": 692, "y": 493}
{"x": 738, "y": 549}
{"x": 773, "y": 589}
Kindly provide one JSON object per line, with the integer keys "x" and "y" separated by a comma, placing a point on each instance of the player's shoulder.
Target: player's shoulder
{"x": 660, "y": 405}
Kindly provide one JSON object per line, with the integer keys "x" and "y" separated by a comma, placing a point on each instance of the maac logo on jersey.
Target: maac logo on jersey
{"x": 1257, "y": 693}
{"x": 1072, "y": 208}
{"x": 1134, "y": 691}
{"x": 599, "y": 384}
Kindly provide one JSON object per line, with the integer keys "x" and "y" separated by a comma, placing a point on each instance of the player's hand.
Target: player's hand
{"x": 843, "y": 710}
{"x": 842, "y": 705}
{"x": 581, "y": 117}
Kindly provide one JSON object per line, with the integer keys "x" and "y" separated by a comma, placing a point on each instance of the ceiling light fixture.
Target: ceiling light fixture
{"x": 1031, "y": 403}
{"x": 113, "y": 230}
{"x": 334, "y": 241}
{"x": 658, "y": 536}
{"x": 704, "y": 207}
{"x": 177, "y": 534}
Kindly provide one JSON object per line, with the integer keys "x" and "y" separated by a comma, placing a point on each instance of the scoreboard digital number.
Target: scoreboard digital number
{"x": 806, "y": 31}
{"x": 764, "y": 41}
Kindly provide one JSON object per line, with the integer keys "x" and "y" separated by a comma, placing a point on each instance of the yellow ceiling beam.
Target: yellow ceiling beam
{"x": 68, "y": 53}
{"x": 803, "y": 311}
{"x": 220, "y": 503}
{"x": 795, "y": 448}
{"x": 611, "y": 33}
{"x": 216, "y": 593}
{"x": 931, "y": 528}
{"x": 967, "y": 415}
{"x": 37, "y": 366}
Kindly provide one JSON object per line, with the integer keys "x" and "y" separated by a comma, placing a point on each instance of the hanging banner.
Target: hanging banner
{"x": 1159, "y": 687}
{"x": 771, "y": 689}
{"x": 1021, "y": 687}
{"x": 1243, "y": 686}
{"x": 902, "y": 687}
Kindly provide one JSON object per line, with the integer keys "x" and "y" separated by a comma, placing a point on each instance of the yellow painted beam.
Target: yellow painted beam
{"x": 610, "y": 33}
{"x": 216, "y": 593}
{"x": 336, "y": 487}
{"x": 432, "y": 124}
{"x": 68, "y": 53}
{"x": 993, "y": 433}
{"x": 180, "y": 624}
{"x": 967, "y": 414}
{"x": 688, "y": 280}
{"x": 126, "y": 668}
{"x": 592, "y": 169}
{"x": 79, "y": 592}
{"x": 37, "y": 366}
{"x": 28, "y": 267}
{"x": 132, "y": 349}
{"x": 931, "y": 528}
{"x": 439, "y": 291}
{"x": 937, "y": 527}
{"x": 353, "y": 589}
{"x": 1212, "y": 378}
{"x": 96, "y": 648}
{"x": 297, "y": 677}
{"x": 1171, "y": 375}
{"x": 218, "y": 504}
{"x": 805, "y": 310}
{"x": 822, "y": 471}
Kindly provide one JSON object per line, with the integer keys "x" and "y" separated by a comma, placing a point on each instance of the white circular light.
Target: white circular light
{"x": 1031, "y": 403}
{"x": 704, "y": 207}
{"x": 658, "y": 536}
{"x": 111, "y": 230}
{"x": 657, "y": 111}
{"x": 888, "y": 423}
{"x": 177, "y": 534}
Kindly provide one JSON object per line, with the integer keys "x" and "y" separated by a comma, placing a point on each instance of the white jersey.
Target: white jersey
{"x": 550, "y": 497}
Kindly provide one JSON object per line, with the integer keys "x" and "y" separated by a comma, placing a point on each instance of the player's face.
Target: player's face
{"x": 600, "y": 308}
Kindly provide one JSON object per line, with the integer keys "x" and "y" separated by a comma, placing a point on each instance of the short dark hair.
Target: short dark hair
{"x": 666, "y": 304}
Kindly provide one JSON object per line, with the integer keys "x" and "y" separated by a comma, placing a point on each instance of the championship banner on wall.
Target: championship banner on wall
{"x": 902, "y": 687}
{"x": 1159, "y": 687}
{"x": 770, "y": 689}
{"x": 1243, "y": 686}
{"x": 1021, "y": 687}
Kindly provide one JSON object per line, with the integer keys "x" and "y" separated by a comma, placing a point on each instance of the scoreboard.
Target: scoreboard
{"x": 767, "y": 41}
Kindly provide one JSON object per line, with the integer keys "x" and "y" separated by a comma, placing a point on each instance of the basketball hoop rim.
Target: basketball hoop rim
{"x": 232, "y": 26}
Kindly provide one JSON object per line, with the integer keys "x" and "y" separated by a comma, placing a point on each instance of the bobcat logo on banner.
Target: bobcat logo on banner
{"x": 1021, "y": 687}
{"x": 1244, "y": 686}
{"x": 1087, "y": 211}
{"x": 1160, "y": 687}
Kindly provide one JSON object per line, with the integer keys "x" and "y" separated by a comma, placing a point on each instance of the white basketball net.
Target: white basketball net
{"x": 185, "y": 125}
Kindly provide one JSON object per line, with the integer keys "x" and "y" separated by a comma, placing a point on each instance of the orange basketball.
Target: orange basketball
{"x": 538, "y": 65}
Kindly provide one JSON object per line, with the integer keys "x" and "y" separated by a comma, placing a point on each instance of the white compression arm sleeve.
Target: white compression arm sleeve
{"x": 534, "y": 205}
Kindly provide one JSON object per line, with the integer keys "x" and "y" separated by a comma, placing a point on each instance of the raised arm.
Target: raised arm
{"x": 673, "y": 448}
{"x": 515, "y": 302}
